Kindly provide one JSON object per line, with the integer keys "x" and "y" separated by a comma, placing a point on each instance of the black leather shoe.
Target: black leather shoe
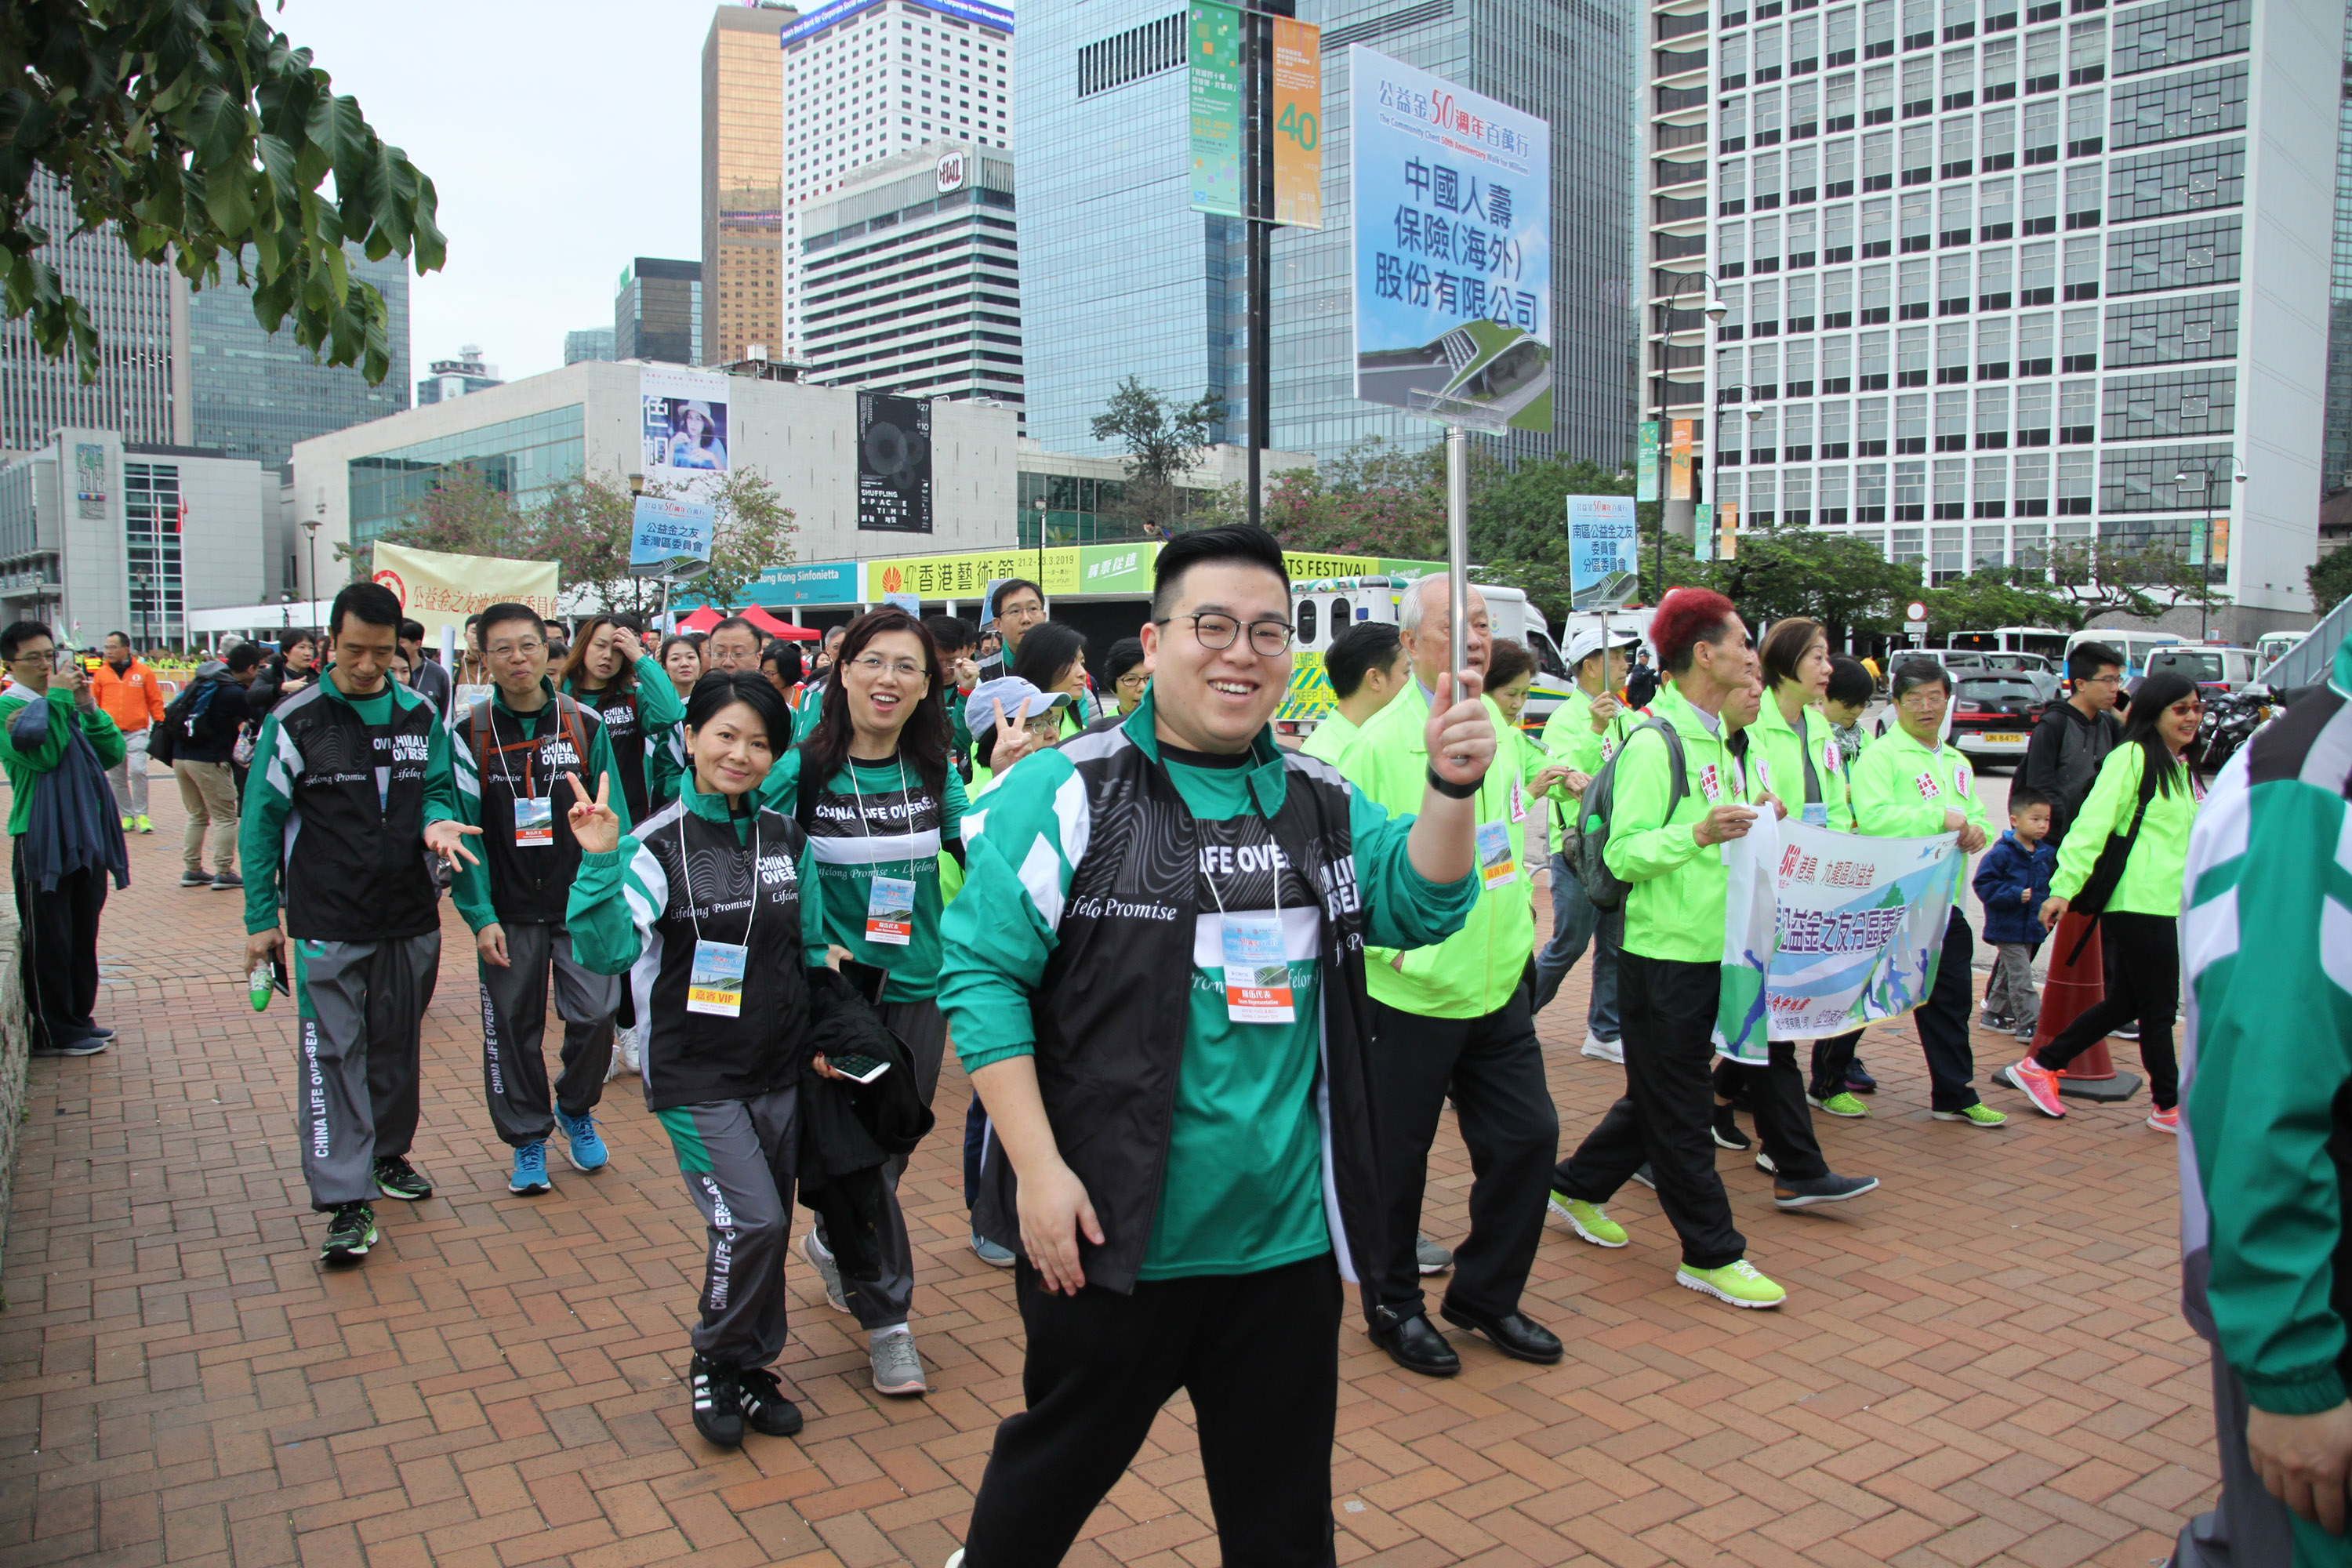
{"x": 1414, "y": 1344}
{"x": 1511, "y": 1333}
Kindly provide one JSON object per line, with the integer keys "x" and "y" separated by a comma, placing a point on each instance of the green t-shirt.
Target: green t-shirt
{"x": 373, "y": 711}
{"x": 1332, "y": 733}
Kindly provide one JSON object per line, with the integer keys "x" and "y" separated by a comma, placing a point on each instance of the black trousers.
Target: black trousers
{"x": 1668, "y": 1011}
{"x": 1784, "y": 1122}
{"x": 1492, "y": 1068}
{"x": 1832, "y": 1057}
{"x": 1258, "y": 1354}
{"x": 2143, "y": 988}
{"x": 57, "y": 951}
{"x": 1943, "y": 1022}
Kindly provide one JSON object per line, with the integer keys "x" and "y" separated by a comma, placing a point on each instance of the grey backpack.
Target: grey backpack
{"x": 1585, "y": 839}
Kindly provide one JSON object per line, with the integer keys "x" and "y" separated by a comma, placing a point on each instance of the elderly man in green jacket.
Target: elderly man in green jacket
{"x": 1456, "y": 1019}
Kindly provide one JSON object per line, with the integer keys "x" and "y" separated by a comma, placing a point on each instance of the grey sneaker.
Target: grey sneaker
{"x": 1429, "y": 1257}
{"x": 987, "y": 1252}
{"x": 827, "y": 1273}
{"x": 195, "y": 880}
{"x": 225, "y": 880}
{"x": 897, "y": 1367}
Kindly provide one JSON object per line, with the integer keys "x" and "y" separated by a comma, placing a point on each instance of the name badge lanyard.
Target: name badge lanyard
{"x": 889, "y": 900}
{"x": 714, "y": 983}
{"x": 534, "y": 814}
{"x": 1257, "y": 959}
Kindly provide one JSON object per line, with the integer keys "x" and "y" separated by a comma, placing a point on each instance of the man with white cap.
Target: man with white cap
{"x": 1584, "y": 732}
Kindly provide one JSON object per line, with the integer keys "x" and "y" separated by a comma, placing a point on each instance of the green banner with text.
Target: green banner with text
{"x": 1214, "y": 36}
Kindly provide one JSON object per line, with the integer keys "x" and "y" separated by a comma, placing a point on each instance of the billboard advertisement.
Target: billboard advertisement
{"x": 684, "y": 434}
{"x": 894, "y": 463}
{"x": 1297, "y": 124}
{"x": 1452, "y": 250}
{"x": 1604, "y": 570}
{"x": 1213, "y": 40}
{"x": 670, "y": 538}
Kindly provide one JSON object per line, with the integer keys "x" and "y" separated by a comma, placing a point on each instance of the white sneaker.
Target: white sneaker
{"x": 956, "y": 1560}
{"x": 828, "y": 1273}
{"x": 627, "y": 1044}
{"x": 1603, "y": 1050}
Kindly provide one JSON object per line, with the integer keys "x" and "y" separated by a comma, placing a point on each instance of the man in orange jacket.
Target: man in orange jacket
{"x": 133, "y": 699}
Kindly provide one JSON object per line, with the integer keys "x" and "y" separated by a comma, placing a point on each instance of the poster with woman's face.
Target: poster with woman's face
{"x": 685, "y": 430}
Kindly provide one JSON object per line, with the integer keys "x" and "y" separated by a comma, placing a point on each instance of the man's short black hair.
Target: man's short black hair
{"x": 16, "y": 636}
{"x": 738, "y": 624}
{"x": 2020, "y": 797}
{"x": 951, "y": 634}
{"x": 1355, "y": 653}
{"x": 1009, "y": 587}
{"x": 125, "y": 637}
{"x": 500, "y": 615}
{"x": 2087, "y": 658}
{"x": 1848, "y": 682}
{"x": 1237, "y": 543}
{"x": 412, "y": 631}
{"x": 372, "y": 602}
{"x": 244, "y": 656}
{"x": 1915, "y": 672}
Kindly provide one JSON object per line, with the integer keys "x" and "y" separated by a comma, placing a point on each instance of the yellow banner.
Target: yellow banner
{"x": 1297, "y": 124}
{"x": 439, "y": 590}
{"x": 1727, "y": 515}
{"x": 967, "y": 576}
{"x": 1680, "y": 473}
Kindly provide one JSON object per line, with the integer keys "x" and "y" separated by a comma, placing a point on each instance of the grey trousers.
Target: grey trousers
{"x": 129, "y": 776}
{"x": 514, "y": 1025}
{"x": 885, "y": 1303}
{"x": 737, "y": 1158}
{"x": 361, "y": 1007}
{"x": 2248, "y": 1528}
{"x": 2009, "y": 993}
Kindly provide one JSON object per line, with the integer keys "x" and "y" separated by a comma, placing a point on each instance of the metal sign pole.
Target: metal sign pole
{"x": 1457, "y": 544}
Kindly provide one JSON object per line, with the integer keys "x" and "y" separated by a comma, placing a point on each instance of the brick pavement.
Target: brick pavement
{"x": 1984, "y": 1364}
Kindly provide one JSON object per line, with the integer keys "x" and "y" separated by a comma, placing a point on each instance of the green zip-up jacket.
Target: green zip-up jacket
{"x": 1333, "y": 733}
{"x": 26, "y": 768}
{"x": 1902, "y": 789}
{"x": 1780, "y": 770}
{"x": 2266, "y": 1060}
{"x": 469, "y": 890}
{"x": 2159, "y": 855}
{"x": 661, "y": 711}
{"x": 1475, "y": 971}
{"x": 1673, "y": 905}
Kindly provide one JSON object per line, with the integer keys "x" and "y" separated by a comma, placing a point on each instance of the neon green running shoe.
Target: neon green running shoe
{"x": 1980, "y": 1113}
{"x": 1738, "y": 1284}
{"x": 1842, "y": 1104}
{"x": 1589, "y": 1221}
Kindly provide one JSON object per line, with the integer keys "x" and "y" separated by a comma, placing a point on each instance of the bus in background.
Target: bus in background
{"x": 2134, "y": 646}
{"x": 2050, "y": 643}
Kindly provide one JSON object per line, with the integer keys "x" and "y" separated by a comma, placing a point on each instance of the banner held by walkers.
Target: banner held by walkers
{"x": 1826, "y": 932}
{"x": 438, "y": 589}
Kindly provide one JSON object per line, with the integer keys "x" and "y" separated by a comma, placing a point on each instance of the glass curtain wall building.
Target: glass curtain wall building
{"x": 658, "y": 311}
{"x": 2336, "y": 458}
{"x": 742, "y": 179}
{"x": 1124, "y": 277}
{"x": 522, "y": 458}
{"x": 2003, "y": 276}
{"x": 132, "y": 305}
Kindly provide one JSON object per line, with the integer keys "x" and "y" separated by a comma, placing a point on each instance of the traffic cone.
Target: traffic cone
{"x": 2076, "y": 982}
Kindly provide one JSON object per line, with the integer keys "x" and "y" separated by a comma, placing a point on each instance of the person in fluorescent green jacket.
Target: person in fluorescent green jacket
{"x": 1584, "y": 732}
{"x": 1668, "y": 845}
{"x": 1908, "y": 785}
{"x": 1367, "y": 666}
{"x": 2266, "y": 1121}
{"x": 2141, "y": 922}
{"x": 1455, "y": 1020}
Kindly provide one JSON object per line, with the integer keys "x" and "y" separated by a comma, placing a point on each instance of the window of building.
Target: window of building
{"x": 1766, "y": 108}
{"x": 2156, "y": 36}
{"x": 2141, "y": 478}
{"x": 1877, "y": 28}
{"x": 2086, "y": 52}
{"x": 1878, "y": 226}
{"x": 1870, "y": 428}
{"x": 2000, "y": 72}
{"x": 150, "y": 562}
{"x": 2168, "y": 331}
{"x": 1761, "y": 494}
{"x": 1763, "y": 374}
{"x": 2173, "y": 255}
{"x": 1952, "y": 421}
{"x": 1731, "y": 124}
{"x": 1763, "y": 309}
{"x": 2030, "y": 475}
{"x": 1911, "y": 423}
{"x": 1951, "y": 544}
{"x": 2042, "y": 52}
{"x": 2037, "y": 274}
{"x": 1918, "y": 86}
{"x": 1830, "y": 496}
{"x": 1804, "y": 109}
{"x": 1731, "y": 187}
{"x": 2153, "y": 184}
{"x": 2184, "y": 403}
{"x": 2193, "y": 103}
{"x": 2078, "y": 412}
{"x": 1878, "y": 294}
{"x": 2038, "y": 204}
{"x": 1797, "y": 433}
{"x": 1870, "y": 493}
{"x": 2075, "y": 474}
{"x": 1840, "y": 35}
{"x": 1878, "y": 161}
{"x": 1991, "y": 418}
{"x": 1878, "y": 95}
{"x": 1836, "y": 416}
{"x": 1728, "y": 370}
{"x": 1990, "y": 490}
{"x": 1837, "y": 298}
{"x": 1993, "y": 348}
{"x": 2041, "y": 121}
{"x": 2034, "y": 409}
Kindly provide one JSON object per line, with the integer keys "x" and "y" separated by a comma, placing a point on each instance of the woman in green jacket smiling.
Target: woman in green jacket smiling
{"x": 2143, "y": 914}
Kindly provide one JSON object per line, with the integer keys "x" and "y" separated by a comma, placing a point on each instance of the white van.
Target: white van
{"x": 2134, "y": 646}
{"x": 1322, "y": 609}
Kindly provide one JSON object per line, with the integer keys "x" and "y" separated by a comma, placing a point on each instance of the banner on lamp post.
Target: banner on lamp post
{"x": 1213, "y": 34}
{"x": 1645, "y": 470}
{"x": 671, "y": 538}
{"x": 1297, "y": 124}
{"x": 1728, "y": 516}
{"x": 1703, "y": 532}
{"x": 1680, "y": 482}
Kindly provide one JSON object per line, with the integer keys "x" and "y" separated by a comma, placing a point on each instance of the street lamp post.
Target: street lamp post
{"x": 1715, "y": 309}
{"x": 311, "y": 528}
{"x": 2204, "y": 476}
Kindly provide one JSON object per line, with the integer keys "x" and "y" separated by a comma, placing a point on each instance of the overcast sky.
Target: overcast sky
{"x": 562, "y": 139}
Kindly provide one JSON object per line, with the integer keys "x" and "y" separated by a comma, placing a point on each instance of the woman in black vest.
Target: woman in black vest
{"x": 608, "y": 669}
{"x": 702, "y": 907}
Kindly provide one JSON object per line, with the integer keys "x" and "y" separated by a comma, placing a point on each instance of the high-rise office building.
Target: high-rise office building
{"x": 257, "y": 393}
{"x": 866, "y": 79}
{"x": 588, "y": 344}
{"x": 139, "y": 308}
{"x": 910, "y": 278}
{"x": 1123, "y": 278}
{"x": 2001, "y": 277}
{"x": 658, "y": 311}
{"x": 454, "y": 378}
{"x": 2335, "y": 454}
{"x": 742, "y": 179}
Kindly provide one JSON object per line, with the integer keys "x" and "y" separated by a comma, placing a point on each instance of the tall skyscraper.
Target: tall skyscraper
{"x": 1124, "y": 278}
{"x": 139, "y": 309}
{"x": 910, "y": 278}
{"x": 588, "y": 344}
{"x": 2001, "y": 283}
{"x": 658, "y": 311}
{"x": 257, "y": 392}
{"x": 2335, "y": 454}
{"x": 865, "y": 80}
{"x": 742, "y": 179}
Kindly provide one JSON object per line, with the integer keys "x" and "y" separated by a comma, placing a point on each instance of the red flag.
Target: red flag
{"x": 180, "y": 518}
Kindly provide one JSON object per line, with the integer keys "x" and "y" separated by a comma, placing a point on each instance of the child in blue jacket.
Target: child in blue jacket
{"x": 2012, "y": 881}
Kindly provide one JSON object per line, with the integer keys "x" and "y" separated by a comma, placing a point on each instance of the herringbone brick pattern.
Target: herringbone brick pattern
{"x": 1984, "y": 1364}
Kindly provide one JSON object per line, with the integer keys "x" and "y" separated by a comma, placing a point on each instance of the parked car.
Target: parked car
{"x": 1993, "y": 716}
{"x": 2215, "y": 667}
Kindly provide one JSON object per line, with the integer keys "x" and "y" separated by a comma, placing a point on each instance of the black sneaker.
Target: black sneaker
{"x": 81, "y": 1045}
{"x": 195, "y": 880}
{"x": 2124, "y": 1032}
{"x": 350, "y": 1234}
{"x": 765, "y": 1408}
{"x": 718, "y": 1401}
{"x": 1642, "y": 1175}
{"x": 1727, "y": 1134}
{"x": 396, "y": 1178}
{"x": 1791, "y": 1195}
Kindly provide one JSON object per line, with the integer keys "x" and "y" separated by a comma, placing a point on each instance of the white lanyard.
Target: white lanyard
{"x": 889, "y": 900}
{"x": 1256, "y": 955}
{"x": 686, "y": 875}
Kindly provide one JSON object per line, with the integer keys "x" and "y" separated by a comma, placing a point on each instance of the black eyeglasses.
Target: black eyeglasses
{"x": 1268, "y": 639}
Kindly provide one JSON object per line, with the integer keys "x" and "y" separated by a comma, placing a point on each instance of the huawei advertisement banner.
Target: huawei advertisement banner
{"x": 1452, "y": 250}
{"x": 684, "y": 436}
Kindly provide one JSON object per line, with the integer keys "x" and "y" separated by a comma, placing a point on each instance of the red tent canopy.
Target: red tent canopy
{"x": 702, "y": 620}
{"x": 776, "y": 629}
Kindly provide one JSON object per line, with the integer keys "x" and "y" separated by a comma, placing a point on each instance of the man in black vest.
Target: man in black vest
{"x": 516, "y": 754}
{"x": 2062, "y": 760}
{"x": 1155, "y": 975}
{"x": 349, "y": 797}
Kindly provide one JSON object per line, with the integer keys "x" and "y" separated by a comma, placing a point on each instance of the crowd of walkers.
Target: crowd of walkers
{"x": 1211, "y": 993}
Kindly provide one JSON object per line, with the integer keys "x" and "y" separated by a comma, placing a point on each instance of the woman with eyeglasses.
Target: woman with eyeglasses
{"x": 871, "y": 786}
{"x": 2131, "y": 838}
{"x": 1129, "y": 673}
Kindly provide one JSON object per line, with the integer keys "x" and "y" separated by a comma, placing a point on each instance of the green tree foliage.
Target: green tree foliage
{"x": 197, "y": 131}
{"x": 1372, "y": 499}
{"x": 2331, "y": 579}
{"x": 1999, "y": 596}
{"x": 1160, "y": 439}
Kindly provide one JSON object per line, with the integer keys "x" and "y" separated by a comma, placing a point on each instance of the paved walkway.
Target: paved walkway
{"x": 1984, "y": 1364}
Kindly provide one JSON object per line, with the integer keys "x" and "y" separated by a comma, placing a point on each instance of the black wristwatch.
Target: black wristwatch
{"x": 1449, "y": 789}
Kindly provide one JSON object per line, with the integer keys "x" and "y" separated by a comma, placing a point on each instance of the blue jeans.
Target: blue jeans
{"x": 1575, "y": 924}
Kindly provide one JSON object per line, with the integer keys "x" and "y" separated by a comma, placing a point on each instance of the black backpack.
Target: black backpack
{"x": 188, "y": 721}
{"x": 1584, "y": 840}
